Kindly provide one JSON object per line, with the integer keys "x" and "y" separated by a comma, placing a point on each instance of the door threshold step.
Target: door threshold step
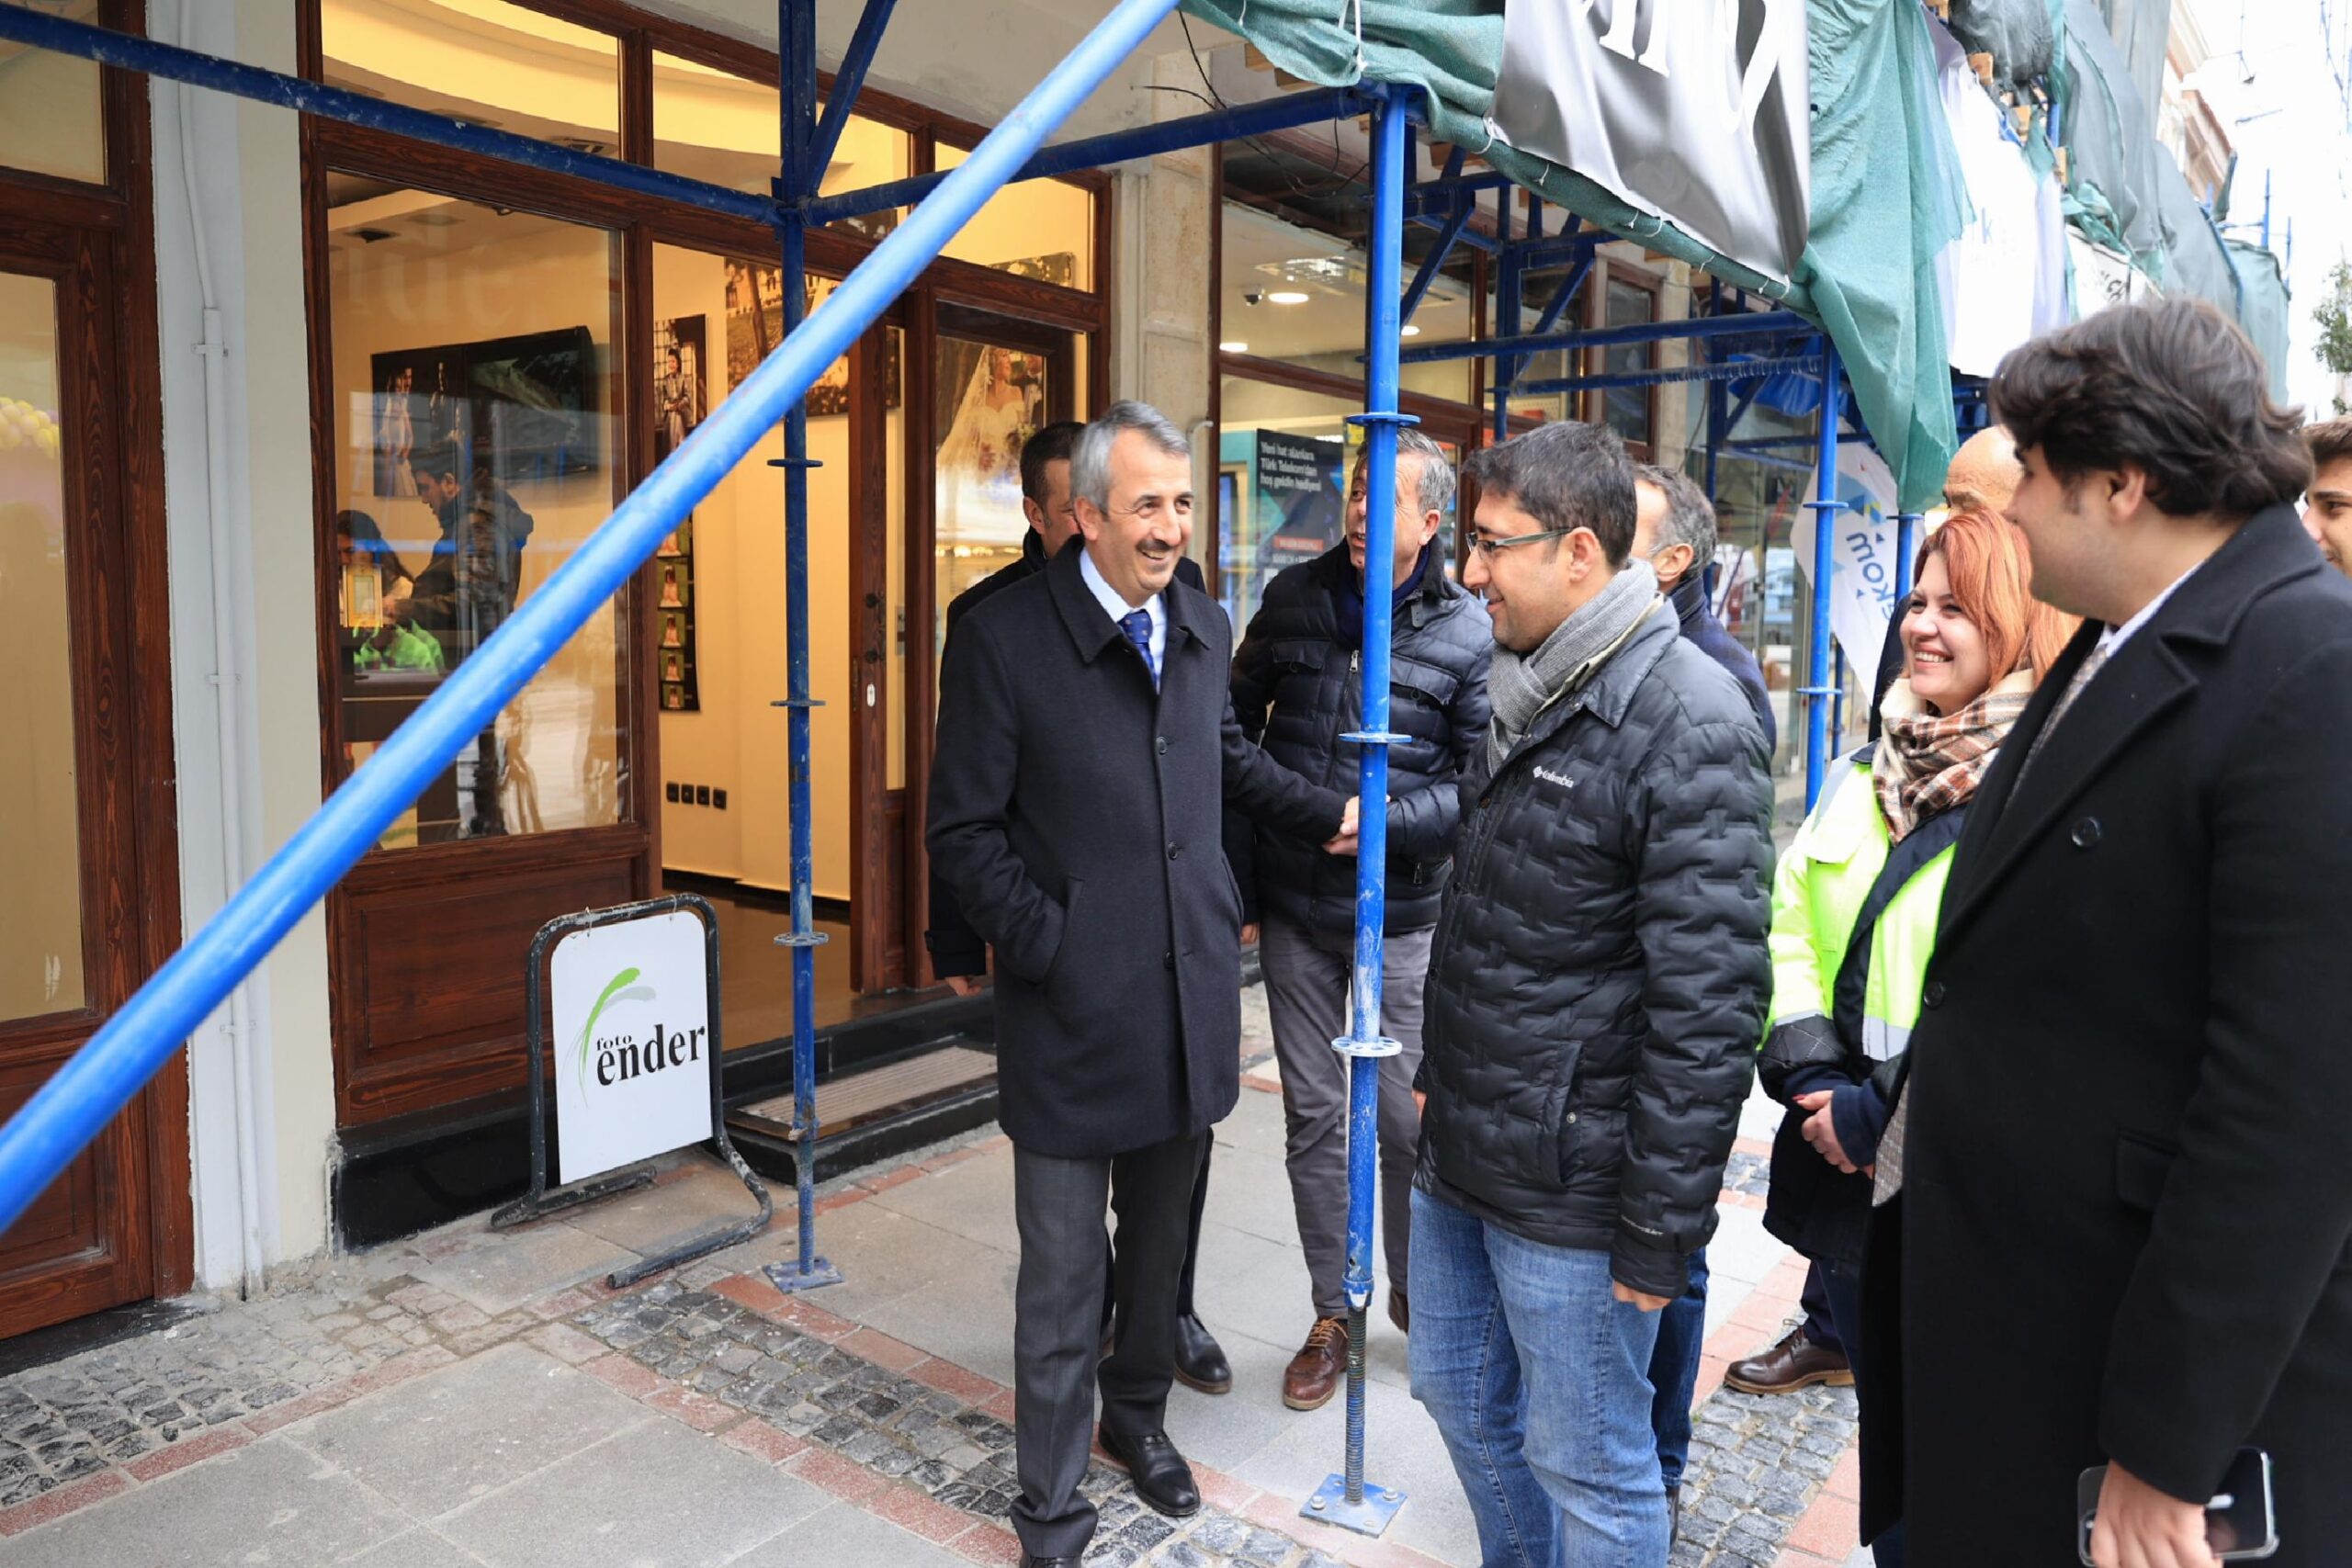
{"x": 873, "y": 1115}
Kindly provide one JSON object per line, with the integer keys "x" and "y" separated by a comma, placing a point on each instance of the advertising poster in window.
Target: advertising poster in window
{"x": 989, "y": 400}
{"x": 755, "y": 325}
{"x": 679, "y": 404}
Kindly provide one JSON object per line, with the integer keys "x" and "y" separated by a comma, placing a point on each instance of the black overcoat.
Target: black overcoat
{"x": 1075, "y": 813}
{"x": 2126, "y": 1202}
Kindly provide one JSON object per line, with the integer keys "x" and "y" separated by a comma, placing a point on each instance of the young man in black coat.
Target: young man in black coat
{"x": 2129, "y": 1086}
{"x": 1086, "y": 745}
{"x": 1297, "y": 684}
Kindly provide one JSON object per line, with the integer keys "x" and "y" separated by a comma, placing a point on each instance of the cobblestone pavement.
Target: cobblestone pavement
{"x": 1755, "y": 1466}
{"x": 109, "y": 1407}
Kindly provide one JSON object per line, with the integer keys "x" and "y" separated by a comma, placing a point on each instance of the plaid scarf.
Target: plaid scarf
{"x": 1931, "y": 762}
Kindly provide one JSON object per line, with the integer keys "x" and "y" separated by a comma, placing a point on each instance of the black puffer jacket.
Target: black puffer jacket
{"x": 1297, "y": 688}
{"x": 1600, "y": 976}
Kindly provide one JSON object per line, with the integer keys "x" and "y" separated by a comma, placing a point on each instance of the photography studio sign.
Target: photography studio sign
{"x": 632, "y": 1042}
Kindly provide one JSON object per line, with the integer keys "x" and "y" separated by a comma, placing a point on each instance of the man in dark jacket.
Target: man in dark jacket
{"x": 1597, "y": 988}
{"x": 1296, "y": 685}
{"x": 1086, "y": 740}
{"x": 1674, "y": 530}
{"x": 2129, "y": 1086}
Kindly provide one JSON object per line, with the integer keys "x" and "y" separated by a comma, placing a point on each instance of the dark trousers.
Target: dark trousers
{"x": 1192, "y": 1252}
{"x": 1822, "y": 1324}
{"x": 1674, "y": 1372}
{"x": 1058, "y": 1322}
{"x": 1841, "y": 1287}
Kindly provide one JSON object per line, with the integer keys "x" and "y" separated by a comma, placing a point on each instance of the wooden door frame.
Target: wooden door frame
{"x": 108, "y": 257}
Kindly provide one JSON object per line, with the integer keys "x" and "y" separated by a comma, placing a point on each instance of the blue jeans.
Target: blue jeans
{"x": 1674, "y": 1372}
{"x": 1538, "y": 1381}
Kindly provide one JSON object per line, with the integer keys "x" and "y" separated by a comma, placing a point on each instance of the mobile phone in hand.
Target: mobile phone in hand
{"x": 2240, "y": 1523}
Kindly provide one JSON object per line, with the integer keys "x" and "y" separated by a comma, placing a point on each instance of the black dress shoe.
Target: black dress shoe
{"x": 1200, "y": 1359}
{"x": 1031, "y": 1560}
{"x": 1161, "y": 1477}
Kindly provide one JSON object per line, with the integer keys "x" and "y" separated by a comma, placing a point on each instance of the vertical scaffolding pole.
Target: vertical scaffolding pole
{"x": 1906, "y": 544}
{"x": 1344, "y": 1499}
{"x": 796, "y": 32}
{"x": 1506, "y": 310}
{"x": 1818, "y": 689}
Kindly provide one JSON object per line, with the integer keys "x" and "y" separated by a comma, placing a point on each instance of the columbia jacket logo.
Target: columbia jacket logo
{"x": 1548, "y": 776}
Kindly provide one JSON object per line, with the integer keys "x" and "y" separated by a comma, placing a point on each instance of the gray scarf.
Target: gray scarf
{"x": 1521, "y": 685}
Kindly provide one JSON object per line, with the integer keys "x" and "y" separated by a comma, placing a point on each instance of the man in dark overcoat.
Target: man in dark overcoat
{"x": 2131, "y": 1082}
{"x": 1086, "y": 748}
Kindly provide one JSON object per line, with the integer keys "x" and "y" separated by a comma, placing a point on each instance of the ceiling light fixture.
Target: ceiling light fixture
{"x": 1409, "y": 330}
{"x": 1233, "y": 348}
{"x": 1286, "y": 297}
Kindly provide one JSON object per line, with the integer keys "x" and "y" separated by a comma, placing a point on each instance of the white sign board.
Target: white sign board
{"x": 1862, "y": 557}
{"x": 632, "y": 1042}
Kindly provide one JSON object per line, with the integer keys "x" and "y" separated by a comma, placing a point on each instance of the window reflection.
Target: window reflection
{"x": 476, "y": 385}
{"x": 52, "y": 116}
{"x": 1040, "y": 229}
{"x": 713, "y": 126}
{"x": 484, "y": 60}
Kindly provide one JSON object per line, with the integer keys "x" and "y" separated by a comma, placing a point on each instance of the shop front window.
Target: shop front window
{"x": 1626, "y": 410}
{"x": 485, "y": 61}
{"x": 713, "y": 126}
{"x": 1040, "y": 229}
{"x": 995, "y": 384}
{"x": 475, "y": 388}
{"x": 1285, "y": 458}
{"x": 1297, "y": 295}
{"x": 40, "y": 919}
{"x": 52, "y": 119}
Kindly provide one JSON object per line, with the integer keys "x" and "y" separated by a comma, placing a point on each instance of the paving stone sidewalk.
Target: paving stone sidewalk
{"x": 883, "y": 1446}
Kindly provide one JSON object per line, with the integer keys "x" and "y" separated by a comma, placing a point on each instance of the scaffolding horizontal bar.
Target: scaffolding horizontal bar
{"x": 1291, "y": 110}
{"x": 85, "y": 41}
{"x": 1730, "y": 370}
{"x": 1754, "y": 321}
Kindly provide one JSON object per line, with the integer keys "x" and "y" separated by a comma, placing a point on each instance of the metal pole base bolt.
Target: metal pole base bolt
{"x": 793, "y": 1278}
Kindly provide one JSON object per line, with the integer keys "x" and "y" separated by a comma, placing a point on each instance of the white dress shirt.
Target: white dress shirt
{"x": 2114, "y": 637}
{"x": 1118, "y": 609}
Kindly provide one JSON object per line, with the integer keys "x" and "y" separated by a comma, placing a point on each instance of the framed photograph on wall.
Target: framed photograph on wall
{"x": 755, "y": 325}
{"x": 679, "y": 382}
{"x": 522, "y": 408}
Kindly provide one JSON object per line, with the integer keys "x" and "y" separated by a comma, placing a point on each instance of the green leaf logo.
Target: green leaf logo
{"x": 619, "y": 988}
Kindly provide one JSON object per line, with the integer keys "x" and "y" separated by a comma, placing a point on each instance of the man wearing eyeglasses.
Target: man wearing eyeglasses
{"x": 1087, "y": 745}
{"x": 1596, "y": 986}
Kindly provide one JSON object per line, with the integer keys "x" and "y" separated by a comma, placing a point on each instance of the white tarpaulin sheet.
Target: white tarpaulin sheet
{"x": 1695, "y": 108}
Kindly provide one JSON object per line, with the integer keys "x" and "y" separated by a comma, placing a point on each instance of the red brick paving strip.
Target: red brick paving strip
{"x": 991, "y": 1544}
{"x": 872, "y": 1345}
{"x": 763, "y": 1441}
{"x": 949, "y": 1378}
{"x": 623, "y": 1375}
{"x": 180, "y": 1456}
{"x": 910, "y": 1511}
{"x": 699, "y": 1411}
{"x": 842, "y": 1477}
{"x": 60, "y": 1501}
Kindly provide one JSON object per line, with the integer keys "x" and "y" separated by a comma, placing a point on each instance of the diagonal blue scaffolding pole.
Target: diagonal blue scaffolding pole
{"x": 59, "y": 1121}
{"x": 796, "y": 35}
{"x": 847, "y": 83}
{"x": 1344, "y": 1499}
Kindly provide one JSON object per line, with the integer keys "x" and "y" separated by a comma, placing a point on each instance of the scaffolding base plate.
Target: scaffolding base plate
{"x": 789, "y": 1279}
{"x": 1330, "y": 1505}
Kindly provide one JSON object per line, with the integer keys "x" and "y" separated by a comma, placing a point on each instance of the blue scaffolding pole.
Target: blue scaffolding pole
{"x": 796, "y": 56}
{"x": 90, "y": 1088}
{"x": 1819, "y": 691}
{"x": 1343, "y": 1499}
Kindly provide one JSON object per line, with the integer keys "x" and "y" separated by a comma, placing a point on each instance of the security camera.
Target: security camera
{"x": 1252, "y": 296}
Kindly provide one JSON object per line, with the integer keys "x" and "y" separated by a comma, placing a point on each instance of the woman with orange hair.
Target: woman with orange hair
{"x": 1856, "y": 896}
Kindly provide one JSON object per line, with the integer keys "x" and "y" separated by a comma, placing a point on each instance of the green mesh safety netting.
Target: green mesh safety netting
{"x": 1883, "y": 199}
{"x": 2262, "y": 307}
{"x": 2112, "y": 164}
{"x": 2194, "y": 262}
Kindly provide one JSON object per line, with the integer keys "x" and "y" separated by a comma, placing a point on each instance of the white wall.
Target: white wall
{"x": 248, "y": 184}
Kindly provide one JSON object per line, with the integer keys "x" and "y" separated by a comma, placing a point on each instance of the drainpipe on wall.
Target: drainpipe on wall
{"x": 236, "y": 1025}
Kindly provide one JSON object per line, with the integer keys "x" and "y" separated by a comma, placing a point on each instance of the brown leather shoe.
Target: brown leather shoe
{"x": 1400, "y": 1311}
{"x": 1795, "y": 1362}
{"x": 1315, "y": 1373}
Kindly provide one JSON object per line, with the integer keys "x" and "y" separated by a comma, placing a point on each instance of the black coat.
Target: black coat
{"x": 955, "y": 948}
{"x": 2122, "y": 1233}
{"x": 1599, "y": 975}
{"x": 1076, "y": 815}
{"x": 1297, "y": 688}
{"x": 1714, "y": 639}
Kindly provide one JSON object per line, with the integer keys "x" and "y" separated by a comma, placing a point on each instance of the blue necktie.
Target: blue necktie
{"x": 1137, "y": 624}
